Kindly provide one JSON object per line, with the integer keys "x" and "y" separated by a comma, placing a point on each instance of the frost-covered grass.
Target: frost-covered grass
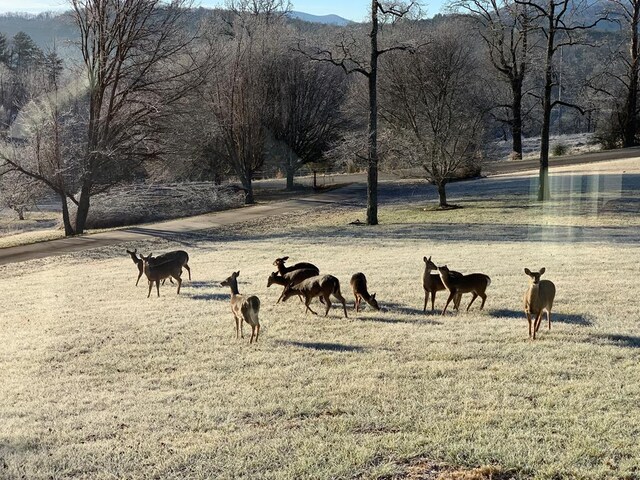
{"x": 575, "y": 143}
{"x": 100, "y": 382}
{"x": 37, "y": 226}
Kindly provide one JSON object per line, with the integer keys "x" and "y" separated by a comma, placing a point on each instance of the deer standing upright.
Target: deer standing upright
{"x": 319, "y": 286}
{"x": 432, "y": 283}
{"x": 244, "y": 309}
{"x": 537, "y": 299}
{"x": 138, "y": 261}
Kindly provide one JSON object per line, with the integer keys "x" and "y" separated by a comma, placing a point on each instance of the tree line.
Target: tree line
{"x": 164, "y": 91}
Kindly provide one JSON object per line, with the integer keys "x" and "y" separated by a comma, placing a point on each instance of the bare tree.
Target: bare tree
{"x": 19, "y": 192}
{"x": 135, "y": 53}
{"x": 505, "y": 27}
{"x": 436, "y": 105}
{"x": 345, "y": 56}
{"x": 304, "y": 109}
{"x": 560, "y": 24}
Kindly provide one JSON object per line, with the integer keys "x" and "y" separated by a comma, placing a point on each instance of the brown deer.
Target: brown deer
{"x": 431, "y": 283}
{"x": 475, "y": 283}
{"x": 294, "y": 277}
{"x": 156, "y": 270}
{"x": 244, "y": 309}
{"x": 279, "y": 262}
{"x": 538, "y": 299}
{"x": 319, "y": 286}
{"x": 359, "y": 286}
{"x": 177, "y": 255}
{"x": 138, "y": 261}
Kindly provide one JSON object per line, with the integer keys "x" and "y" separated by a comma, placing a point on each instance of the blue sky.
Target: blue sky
{"x": 352, "y": 9}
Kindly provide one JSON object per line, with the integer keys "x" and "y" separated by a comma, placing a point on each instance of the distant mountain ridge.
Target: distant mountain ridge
{"x": 325, "y": 19}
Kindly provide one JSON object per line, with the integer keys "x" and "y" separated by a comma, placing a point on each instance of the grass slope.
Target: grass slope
{"x": 100, "y": 382}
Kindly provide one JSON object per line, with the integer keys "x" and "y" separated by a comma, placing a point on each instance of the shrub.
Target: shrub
{"x": 559, "y": 149}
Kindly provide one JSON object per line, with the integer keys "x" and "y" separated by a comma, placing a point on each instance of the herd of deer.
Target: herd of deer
{"x": 304, "y": 280}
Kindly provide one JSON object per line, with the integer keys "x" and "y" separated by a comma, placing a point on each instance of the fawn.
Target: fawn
{"x": 475, "y": 283}
{"x": 244, "y": 309}
{"x": 138, "y": 261}
{"x": 537, "y": 299}
{"x": 279, "y": 262}
{"x": 432, "y": 283}
{"x": 319, "y": 286}
{"x": 294, "y": 277}
{"x": 159, "y": 270}
{"x": 359, "y": 286}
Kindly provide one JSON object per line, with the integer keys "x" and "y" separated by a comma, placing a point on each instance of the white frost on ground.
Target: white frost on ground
{"x": 575, "y": 142}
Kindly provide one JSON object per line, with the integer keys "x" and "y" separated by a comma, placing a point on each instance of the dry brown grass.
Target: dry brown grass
{"x": 100, "y": 382}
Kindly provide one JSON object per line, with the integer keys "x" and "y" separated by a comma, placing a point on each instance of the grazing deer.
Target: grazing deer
{"x": 177, "y": 255}
{"x": 359, "y": 286}
{"x": 157, "y": 270}
{"x": 431, "y": 283}
{"x": 138, "y": 261}
{"x": 475, "y": 283}
{"x": 244, "y": 309}
{"x": 294, "y": 277}
{"x": 537, "y": 299}
{"x": 279, "y": 262}
{"x": 319, "y": 286}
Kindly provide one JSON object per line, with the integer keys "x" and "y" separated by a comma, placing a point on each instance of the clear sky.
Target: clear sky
{"x": 352, "y": 9}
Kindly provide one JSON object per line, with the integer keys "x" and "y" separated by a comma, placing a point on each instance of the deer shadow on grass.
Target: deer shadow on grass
{"x": 568, "y": 318}
{"x": 323, "y": 346}
{"x": 417, "y": 321}
{"x": 618, "y": 340}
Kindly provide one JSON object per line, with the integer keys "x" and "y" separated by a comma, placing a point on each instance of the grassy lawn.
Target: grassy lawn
{"x": 100, "y": 382}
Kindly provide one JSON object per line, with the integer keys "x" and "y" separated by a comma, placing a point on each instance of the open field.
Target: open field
{"x": 100, "y": 382}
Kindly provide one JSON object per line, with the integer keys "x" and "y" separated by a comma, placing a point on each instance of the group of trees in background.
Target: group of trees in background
{"x": 161, "y": 90}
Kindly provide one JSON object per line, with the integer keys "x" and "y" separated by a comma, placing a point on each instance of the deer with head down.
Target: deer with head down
{"x": 157, "y": 269}
{"x": 538, "y": 299}
{"x": 244, "y": 309}
{"x": 360, "y": 292}
{"x": 475, "y": 283}
{"x": 296, "y": 276}
{"x": 319, "y": 286}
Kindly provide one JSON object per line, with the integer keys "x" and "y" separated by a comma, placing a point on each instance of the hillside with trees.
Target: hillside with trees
{"x": 106, "y": 95}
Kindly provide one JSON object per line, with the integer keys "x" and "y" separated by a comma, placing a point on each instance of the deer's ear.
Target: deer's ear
{"x": 236, "y": 274}
{"x": 542, "y": 270}
{"x": 284, "y": 259}
{"x": 373, "y": 296}
{"x": 424, "y": 259}
{"x": 527, "y": 271}
{"x": 135, "y": 250}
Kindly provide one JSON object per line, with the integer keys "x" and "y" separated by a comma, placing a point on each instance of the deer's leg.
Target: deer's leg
{"x": 456, "y": 301}
{"x": 139, "y": 275}
{"x": 356, "y": 305}
{"x": 188, "y": 270}
{"x": 257, "y": 332}
{"x": 451, "y": 295}
{"x": 549, "y": 318}
{"x": 158, "y": 286}
{"x": 327, "y": 300}
{"x": 253, "y": 332}
{"x": 537, "y": 324}
{"x": 150, "y": 287}
{"x": 475, "y": 295}
{"x": 529, "y": 320}
{"x": 237, "y": 326}
{"x": 426, "y": 298}
{"x": 483, "y": 296}
{"x": 433, "y": 300}
{"x": 306, "y": 304}
{"x": 179, "y": 284}
{"x": 241, "y": 327}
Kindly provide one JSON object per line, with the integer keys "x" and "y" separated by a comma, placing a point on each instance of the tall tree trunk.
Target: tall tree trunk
{"x": 372, "y": 173}
{"x": 632, "y": 95}
{"x": 543, "y": 187}
{"x": 442, "y": 195}
{"x": 290, "y": 168}
{"x": 516, "y": 125}
{"x": 248, "y": 187}
{"x": 83, "y": 208}
{"x": 66, "y": 219}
